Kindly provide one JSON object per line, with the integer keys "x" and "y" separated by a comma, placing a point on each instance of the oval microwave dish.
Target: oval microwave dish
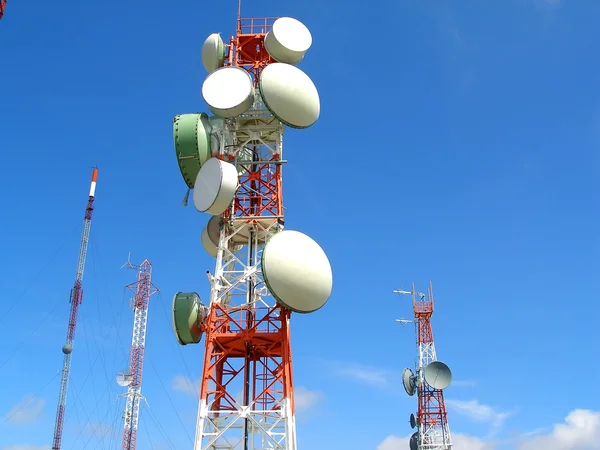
{"x": 228, "y": 91}
{"x": 215, "y": 186}
{"x": 213, "y": 52}
{"x": 288, "y": 40}
{"x": 297, "y": 271}
{"x": 290, "y": 95}
{"x": 193, "y": 142}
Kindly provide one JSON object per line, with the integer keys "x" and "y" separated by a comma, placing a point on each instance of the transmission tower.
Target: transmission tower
{"x": 2, "y": 6}
{"x": 432, "y": 377}
{"x": 143, "y": 289}
{"x": 233, "y": 161}
{"x": 76, "y": 299}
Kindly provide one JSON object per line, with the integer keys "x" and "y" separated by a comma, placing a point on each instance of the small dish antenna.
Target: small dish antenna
{"x": 413, "y": 421}
{"x": 437, "y": 375}
{"x": 408, "y": 381}
{"x": 124, "y": 379}
{"x": 414, "y": 441}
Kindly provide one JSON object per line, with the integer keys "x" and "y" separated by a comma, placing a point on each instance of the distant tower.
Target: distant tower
{"x": 233, "y": 160}
{"x": 143, "y": 290}
{"x": 2, "y": 6}
{"x": 433, "y": 376}
{"x": 76, "y": 299}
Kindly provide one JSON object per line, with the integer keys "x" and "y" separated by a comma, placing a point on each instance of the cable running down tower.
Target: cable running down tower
{"x": 76, "y": 299}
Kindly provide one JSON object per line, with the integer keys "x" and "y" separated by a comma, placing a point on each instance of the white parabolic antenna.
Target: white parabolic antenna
{"x": 288, "y": 40}
{"x": 290, "y": 95}
{"x": 215, "y": 186}
{"x": 297, "y": 271}
{"x": 207, "y": 242}
{"x": 413, "y": 421}
{"x": 213, "y": 228}
{"x": 213, "y": 52}
{"x": 124, "y": 379}
{"x": 437, "y": 375}
{"x": 408, "y": 381}
{"x": 228, "y": 91}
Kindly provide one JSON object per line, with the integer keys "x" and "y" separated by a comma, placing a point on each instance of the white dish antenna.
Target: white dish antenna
{"x": 297, "y": 271}
{"x": 215, "y": 186}
{"x": 290, "y": 95}
{"x": 409, "y": 381}
{"x": 213, "y": 52}
{"x": 437, "y": 375}
{"x": 414, "y": 441}
{"x": 413, "y": 421}
{"x": 207, "y": 243}
{"x": 124, "y": 379}
{"x": 288, "y": 40}
{"x": 228, "y": 91}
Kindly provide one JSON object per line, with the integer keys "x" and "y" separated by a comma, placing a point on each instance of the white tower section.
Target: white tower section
{"x": 143, "y": 289}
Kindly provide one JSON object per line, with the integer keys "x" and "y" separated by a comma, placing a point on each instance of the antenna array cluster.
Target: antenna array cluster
{"x": 232, "y": 159}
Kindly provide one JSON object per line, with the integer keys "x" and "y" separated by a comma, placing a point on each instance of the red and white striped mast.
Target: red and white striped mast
{"x": 432, "y": 377}
{"x": 143, "y": 289}
{"x": 76, "y": 299}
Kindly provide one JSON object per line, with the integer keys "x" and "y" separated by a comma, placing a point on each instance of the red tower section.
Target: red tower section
{"x": 246, "y": 393}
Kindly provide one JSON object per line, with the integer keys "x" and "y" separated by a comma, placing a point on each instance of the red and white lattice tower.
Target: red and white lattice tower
{"x": 2, "y": 6}
{"x": 432, "y": 377}
{"x": 76, "y": 299}
{"x": 233, "y": 161}
{"x": 143, "y": 289}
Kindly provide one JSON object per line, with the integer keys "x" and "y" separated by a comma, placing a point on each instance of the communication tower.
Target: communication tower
{"x": 143, "y": 289}
{"x": 2, "y": 6}
{"x": 233, "y": 162}
{"x": 76, "y": 299}
{"x": 432, "y": 377}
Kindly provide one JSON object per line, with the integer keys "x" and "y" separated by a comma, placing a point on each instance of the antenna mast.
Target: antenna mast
{"x": 262, "y": 272}
{"x": 76, "y": 299}
{"x": 2, "y": 6}
{"x": 143, "y": 290}
{"x": 433, "y": 376}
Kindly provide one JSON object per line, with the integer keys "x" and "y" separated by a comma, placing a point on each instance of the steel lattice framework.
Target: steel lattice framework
{"x": 432, "y": 419}
{"x": 2, "y": 6}
{"x": 143, "y": 290}
{"x": 246, "y": 392}
{"x": 76, "y": 299}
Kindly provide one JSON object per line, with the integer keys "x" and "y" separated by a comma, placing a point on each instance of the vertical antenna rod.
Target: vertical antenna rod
{"x": 143, "y": 290}
{"x": 76, "y": 299}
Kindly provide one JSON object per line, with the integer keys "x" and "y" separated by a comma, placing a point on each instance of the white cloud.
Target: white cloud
{"x": 369, "y": 375}
{"x": 26, "y": 411}
{"x": 186, "y": 385}
{"x": 459, "y": 441}
{"x": 26, "y": 447}
{"x": 479, "y": 412}
{"x": 97, "y": 429}
{"x": 581, "y": 431}
{"x": 305, "y": 399}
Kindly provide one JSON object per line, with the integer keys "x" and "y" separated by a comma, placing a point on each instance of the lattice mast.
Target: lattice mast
{"x": 434, "y": 432}
{"x": 2, "y": 6}
{"x": 75, "y": 300}
{"x": 247, "y": 347}
{"x": 143, "y": 289}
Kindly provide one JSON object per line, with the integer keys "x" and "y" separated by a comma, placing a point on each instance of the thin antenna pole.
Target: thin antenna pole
{"x": 76, "y": 299}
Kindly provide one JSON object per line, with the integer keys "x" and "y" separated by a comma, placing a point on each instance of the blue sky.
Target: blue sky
{"x": 458, "y": 142}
